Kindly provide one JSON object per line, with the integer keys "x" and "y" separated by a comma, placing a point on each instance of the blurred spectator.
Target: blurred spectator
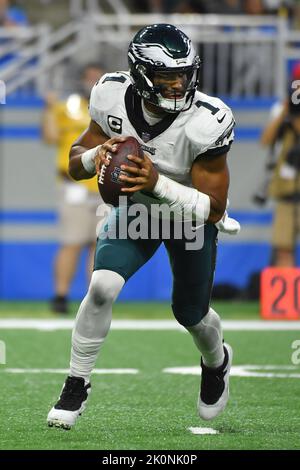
{"x": 295, "y": 14}
{"x": 274, "y": 6}
{"x": 285, "y": 189}
{"x": 282, "y": 182}
{"x": 11, "y": 15}
{"x": 161, "y": 6}
{"x": 63, "y": 122}
{"x": 228, "y": 7}
{"x": 278, "y": 115}
{"x": 193, "y": 6}
{"x": 212, "y": 6}
{"x": 156, "y": 6}
{"x": 254, "y": 7}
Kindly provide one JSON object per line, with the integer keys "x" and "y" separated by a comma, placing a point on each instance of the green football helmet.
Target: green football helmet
{"x": 163, "y": 48}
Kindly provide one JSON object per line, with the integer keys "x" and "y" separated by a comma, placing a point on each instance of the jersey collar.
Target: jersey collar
{"x": 135, "y": 115}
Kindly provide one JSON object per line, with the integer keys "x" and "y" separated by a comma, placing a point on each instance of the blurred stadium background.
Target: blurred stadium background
{"x": 246, "y": 61}
{"x": 248, "y": 49}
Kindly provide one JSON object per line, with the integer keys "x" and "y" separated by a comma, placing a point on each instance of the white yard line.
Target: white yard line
{"x": 203, "y": 431}
{"x": 66, "y": 371}
{"x": 228, "y": 325}
{"x": 245, "y": 370}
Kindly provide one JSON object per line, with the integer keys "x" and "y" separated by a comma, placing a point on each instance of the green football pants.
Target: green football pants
{"x": 193, "y": 269}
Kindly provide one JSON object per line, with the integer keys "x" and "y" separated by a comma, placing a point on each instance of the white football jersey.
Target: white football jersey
{"x": 206, "y": 129}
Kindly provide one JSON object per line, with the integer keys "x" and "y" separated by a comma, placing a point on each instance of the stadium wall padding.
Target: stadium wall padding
{"x": 27, "y": 271}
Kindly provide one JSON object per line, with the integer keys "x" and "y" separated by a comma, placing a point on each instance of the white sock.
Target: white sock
{"x": 93, "y": 322}
{"x": 207, "y": 335}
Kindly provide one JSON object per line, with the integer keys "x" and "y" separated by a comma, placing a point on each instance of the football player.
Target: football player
{"x": 186, "y": 135}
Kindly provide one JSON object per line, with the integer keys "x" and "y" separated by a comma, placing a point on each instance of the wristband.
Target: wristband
{"x": 88, "y": 160}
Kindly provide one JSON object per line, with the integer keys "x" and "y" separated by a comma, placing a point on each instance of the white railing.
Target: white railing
{"x": 78, "y": 8}
{"x": 242, "y": 55}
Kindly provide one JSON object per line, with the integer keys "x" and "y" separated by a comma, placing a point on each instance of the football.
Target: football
{"x": 108, "y": 181}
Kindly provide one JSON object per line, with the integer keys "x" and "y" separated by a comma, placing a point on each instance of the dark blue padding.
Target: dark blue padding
{"x": 43, "y": 216}
{"x": 27, "y": 271}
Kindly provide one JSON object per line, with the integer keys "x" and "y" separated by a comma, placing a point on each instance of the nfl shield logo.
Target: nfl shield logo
{"x": 146, "y": 137}
{"x": 115, "y": 175}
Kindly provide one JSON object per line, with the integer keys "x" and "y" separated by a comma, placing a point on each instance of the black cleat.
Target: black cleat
{"x": 214, "y": 391}
{"x": 71, "y": 403}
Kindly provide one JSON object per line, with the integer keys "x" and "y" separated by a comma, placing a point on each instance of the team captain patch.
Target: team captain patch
{"x": 115, "y": 124}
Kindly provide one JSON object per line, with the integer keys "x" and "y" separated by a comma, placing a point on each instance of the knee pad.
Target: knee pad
{"x": 105, "y": 286}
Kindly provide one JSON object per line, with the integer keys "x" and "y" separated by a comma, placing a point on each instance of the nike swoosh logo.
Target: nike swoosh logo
{"x": 197, "y": 227}
{"x": 222, "y": 119}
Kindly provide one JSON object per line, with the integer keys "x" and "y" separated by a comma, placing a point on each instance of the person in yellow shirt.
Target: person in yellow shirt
{"x": 62, "y": 122}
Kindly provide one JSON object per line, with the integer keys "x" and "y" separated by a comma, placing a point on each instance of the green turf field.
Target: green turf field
{"x": 151, "y": 409}
{"x": 149, "y": 310}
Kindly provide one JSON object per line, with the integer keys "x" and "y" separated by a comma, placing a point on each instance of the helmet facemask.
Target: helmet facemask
{"x": 155, "y": 94}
